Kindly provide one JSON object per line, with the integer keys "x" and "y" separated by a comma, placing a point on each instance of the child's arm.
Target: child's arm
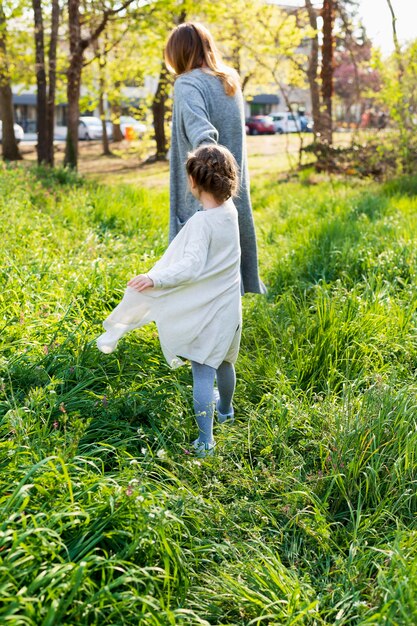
{"x": 185, "y": 266}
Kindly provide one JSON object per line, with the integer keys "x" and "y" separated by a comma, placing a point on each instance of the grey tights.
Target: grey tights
{"x": 203, "y": 384}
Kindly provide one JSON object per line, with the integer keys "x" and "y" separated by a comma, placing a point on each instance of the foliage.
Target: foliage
{"x": 307, "y": 513}
{"x": 20, "y": 58}
{"x": 399, "y": 93}
{"x": 377, "y": 155}
{"x": 257, "y": 39}
{"x": 354, "y": 77}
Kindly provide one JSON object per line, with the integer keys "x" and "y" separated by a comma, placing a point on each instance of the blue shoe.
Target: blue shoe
{"x": 203, "y": 449}
{"x": 222, "y": 417}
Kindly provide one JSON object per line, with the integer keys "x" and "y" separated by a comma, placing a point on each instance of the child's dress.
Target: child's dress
{"x": 196, "y": 299}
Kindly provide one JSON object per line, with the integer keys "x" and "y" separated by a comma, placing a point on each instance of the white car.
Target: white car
{"x": 286, "y": 122}
{"x": 18, "y": 132}
{"x": 127, "y": 121}
{"x": 90, "y": 127}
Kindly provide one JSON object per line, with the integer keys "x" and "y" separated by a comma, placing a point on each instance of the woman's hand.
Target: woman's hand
{"x": 140, "y": 282}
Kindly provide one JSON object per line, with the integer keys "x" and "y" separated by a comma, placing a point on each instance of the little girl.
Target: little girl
{"x": 193, "y": 293}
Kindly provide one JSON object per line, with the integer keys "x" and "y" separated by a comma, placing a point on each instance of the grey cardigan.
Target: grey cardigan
{"x": 203, "y": 113}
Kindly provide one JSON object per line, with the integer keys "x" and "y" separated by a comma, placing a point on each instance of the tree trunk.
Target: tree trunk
{"x": 78, "y": 45}
{"x": 116, "y": 113}
{"x": 403, "y": 110}
{"x": 158, "y": 111}
{"x": 327, "y": 71}
{"x": 106, "y": 146}
{"x": 73, "y": 83}
{"x": 312, "y": 72}
{"x": 52, "y": 80}
{"x": 105, "y": 142}
{"x": 41, "y": 99}
{"x": 10, "y": 149}
{"x": 73, "y": 97}
{"x": 101, "y": 58}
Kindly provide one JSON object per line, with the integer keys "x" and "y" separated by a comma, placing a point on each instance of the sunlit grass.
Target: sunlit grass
{"x": 307, "y": 513}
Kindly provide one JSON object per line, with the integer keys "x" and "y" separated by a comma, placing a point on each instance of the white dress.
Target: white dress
{"x": 196, "y": 299}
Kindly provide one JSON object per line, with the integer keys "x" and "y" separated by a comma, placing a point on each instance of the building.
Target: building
{"x": 24, "y": 107}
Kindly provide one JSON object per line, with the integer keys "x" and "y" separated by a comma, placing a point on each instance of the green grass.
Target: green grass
{"x": 307, "y": 513}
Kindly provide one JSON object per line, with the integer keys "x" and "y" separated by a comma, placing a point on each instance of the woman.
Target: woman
{"x": 208, "y": 108}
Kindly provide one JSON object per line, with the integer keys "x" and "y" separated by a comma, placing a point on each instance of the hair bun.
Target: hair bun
{"x": 214, "y": 170}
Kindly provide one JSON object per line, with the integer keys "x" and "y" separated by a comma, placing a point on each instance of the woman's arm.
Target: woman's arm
{"x": 193, "y": 114}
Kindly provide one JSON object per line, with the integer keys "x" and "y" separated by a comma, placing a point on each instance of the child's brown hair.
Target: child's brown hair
{"x": 214, "y": 170}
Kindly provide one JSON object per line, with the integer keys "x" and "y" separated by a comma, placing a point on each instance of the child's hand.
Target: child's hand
{"x": 140, "y": 282}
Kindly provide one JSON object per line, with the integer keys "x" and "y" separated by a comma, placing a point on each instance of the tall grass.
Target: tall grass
{"x": 307, "y": 513}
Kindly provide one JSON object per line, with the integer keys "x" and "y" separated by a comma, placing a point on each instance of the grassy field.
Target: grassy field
{"x": 307, "y": 513}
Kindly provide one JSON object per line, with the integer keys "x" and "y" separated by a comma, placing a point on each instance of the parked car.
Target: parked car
{"x": 286, "y": 122}
{"x": 127, "y": 121}
{"x": 18, "y": 132}
{"x": 306, "y": 124}
{"x": 137, "y": 129}
{"x": 260, "y": 125}
{"x": 90, "y": 127}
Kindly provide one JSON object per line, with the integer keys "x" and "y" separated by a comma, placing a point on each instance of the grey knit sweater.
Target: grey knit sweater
{"x": 203, "y": 113}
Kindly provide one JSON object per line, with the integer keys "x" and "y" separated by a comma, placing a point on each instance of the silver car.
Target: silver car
{"x": 90, "y": 127}
{"x": 18, "y": 132}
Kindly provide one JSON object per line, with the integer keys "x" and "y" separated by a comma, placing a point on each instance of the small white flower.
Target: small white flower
{"x": 143, "y": 450}
{"x": 134, "y": 462}
{"x": 161, "y": 454}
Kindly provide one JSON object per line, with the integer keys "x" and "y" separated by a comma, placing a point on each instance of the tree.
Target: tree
{"x": 399, "y": 96}
{"x": 321, "y": 65}
{"x": 41, "y": 97}
{"x": 312, "y": 70}
{"x": 101, "y": 56}
{"x": 327, "y": 14}
{"x": 159, "y": 113}
{"x": 354, "y": 76}
{"x": 109, "y": 67}
{"x": 96, "y": 23}
{"x": 162, "y": 91}
{"x": 10, "y": 148}
{"x": 52, "y": 61}
{"x": 402, "y": 109}
{"x": 256, "y": 39}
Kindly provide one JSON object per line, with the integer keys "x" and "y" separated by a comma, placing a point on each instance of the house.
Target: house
{"x": 268, "y": 103}
{"x": 24, "y": 107}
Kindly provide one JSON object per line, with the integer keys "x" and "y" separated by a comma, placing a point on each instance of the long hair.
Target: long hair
{"x": 191, "y": 45}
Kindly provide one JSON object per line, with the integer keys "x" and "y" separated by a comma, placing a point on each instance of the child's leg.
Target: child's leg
{"x": 203, "y": 383}
{"x": 226, "y": 382}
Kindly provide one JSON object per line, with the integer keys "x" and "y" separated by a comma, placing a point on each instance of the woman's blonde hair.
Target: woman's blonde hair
{"x": 191, "y": 45}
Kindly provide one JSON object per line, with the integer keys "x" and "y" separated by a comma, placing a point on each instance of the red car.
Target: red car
{"x": 260, "y": 125}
